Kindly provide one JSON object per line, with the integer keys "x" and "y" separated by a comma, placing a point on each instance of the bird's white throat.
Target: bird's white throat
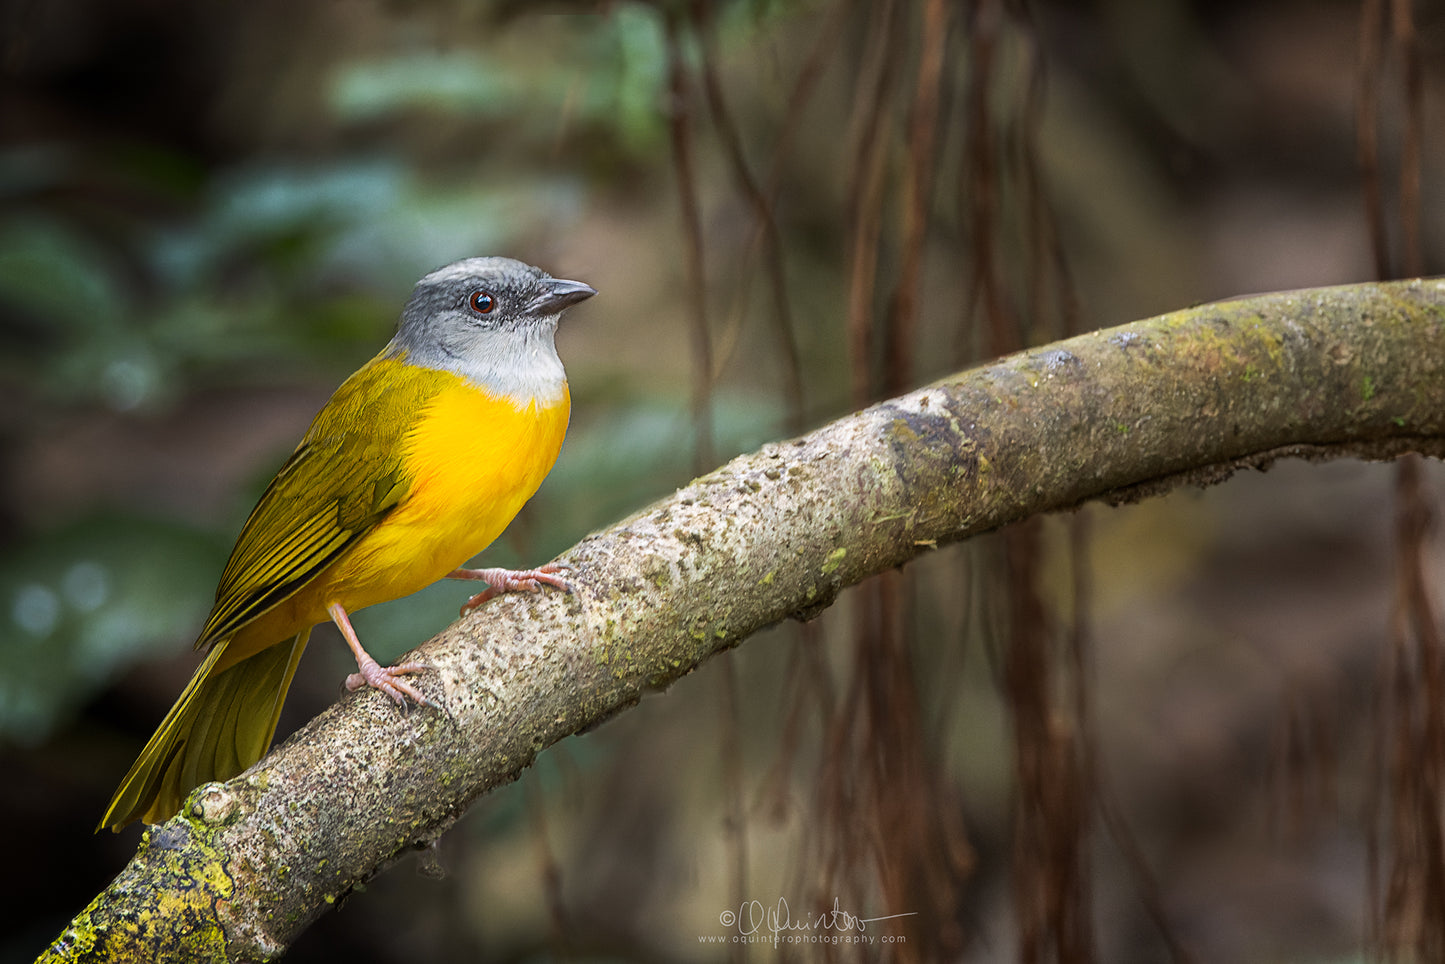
{"x": 521, "y": 365}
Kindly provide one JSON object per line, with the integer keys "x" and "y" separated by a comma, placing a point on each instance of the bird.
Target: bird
{"x": 416, "y": 464}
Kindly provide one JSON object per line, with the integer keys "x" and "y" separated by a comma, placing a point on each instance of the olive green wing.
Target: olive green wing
{"x": 344, "y": 478}
{"x": 322, "y": 501}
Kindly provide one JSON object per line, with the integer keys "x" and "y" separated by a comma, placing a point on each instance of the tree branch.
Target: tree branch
{"x": 1187, "y": 397}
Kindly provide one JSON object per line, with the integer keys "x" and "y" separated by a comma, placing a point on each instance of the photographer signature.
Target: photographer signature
{"x": 752, "y": 917}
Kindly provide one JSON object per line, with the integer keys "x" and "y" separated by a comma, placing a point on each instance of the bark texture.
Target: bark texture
{"x": 1117, "y": 414}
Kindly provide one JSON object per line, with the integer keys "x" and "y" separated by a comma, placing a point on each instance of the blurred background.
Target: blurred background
{"x": 1185, "y": 730}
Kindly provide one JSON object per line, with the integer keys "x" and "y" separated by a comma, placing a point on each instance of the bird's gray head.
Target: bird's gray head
{"x": 490, "y": 320}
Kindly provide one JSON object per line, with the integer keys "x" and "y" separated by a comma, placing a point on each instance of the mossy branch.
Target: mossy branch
{"x": 1117, "y": 414}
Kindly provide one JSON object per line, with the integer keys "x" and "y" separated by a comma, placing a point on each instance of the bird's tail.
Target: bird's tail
{"x": 221, "y": 724}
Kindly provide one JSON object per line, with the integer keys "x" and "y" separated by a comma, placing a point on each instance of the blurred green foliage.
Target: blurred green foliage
{"x": 277, "y": 261}
{"x": 84, "y": 601}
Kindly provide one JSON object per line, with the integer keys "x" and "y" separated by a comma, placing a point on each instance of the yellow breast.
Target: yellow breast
{"x": 472, "y": 460}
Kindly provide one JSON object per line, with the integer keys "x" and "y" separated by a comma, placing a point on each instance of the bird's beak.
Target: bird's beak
{"x": 557, "y": 294}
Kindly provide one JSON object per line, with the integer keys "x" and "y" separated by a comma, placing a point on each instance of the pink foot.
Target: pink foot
{"x": 511, "y": 580}
{"x": 388, "y": 680}
{"x": 370, "y": 673}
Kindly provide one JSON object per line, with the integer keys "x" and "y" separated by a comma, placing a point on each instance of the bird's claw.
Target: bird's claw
{"x": 388, "y": 679}
{"x": 519, "y": 580}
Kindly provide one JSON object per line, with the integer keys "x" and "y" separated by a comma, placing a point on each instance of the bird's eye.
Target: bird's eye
{"x": 482, "y": 302}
